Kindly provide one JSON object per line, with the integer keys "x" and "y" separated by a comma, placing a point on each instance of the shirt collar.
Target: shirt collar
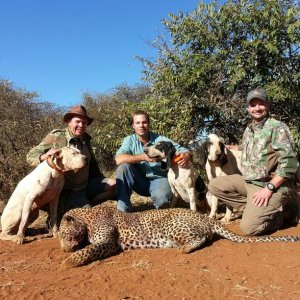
{"x": 70, "y": 136}
{"x": 151, "y": 139}
{"x": 256, "y": 126}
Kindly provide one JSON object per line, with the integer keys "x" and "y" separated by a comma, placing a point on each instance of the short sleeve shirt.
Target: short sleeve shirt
{"x": 132, "y": 145}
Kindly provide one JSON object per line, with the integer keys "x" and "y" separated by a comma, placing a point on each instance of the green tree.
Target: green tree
{"x": 213, "y": 56}
{"x": 111, "y": 112}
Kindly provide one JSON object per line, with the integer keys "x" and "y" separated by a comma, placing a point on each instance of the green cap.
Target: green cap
{"x": 259, "y": 94}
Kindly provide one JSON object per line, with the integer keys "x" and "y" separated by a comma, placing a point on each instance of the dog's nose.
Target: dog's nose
{"x": 146, "y": 150}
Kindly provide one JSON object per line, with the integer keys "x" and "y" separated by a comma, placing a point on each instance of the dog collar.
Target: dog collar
{"x": 53, "y": 165}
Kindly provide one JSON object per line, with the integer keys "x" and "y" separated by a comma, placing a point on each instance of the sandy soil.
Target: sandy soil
{"x": 222, "y": 270}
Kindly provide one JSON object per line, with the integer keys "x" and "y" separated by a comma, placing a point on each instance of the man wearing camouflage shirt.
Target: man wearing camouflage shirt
{"x": 88, "y": 186}
{"x": 266, "y": 191}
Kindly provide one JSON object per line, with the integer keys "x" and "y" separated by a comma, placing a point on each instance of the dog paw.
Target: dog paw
{"x": 19, "y": 239}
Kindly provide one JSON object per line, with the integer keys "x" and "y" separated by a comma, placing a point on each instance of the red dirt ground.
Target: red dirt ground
{"x": 222, "y": 270}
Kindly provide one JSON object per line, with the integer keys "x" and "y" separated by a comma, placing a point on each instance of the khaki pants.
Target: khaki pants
{"x": 236, "y": 192}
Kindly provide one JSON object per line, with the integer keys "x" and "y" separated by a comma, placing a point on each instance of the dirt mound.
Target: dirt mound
{"x": 222, "y": 270}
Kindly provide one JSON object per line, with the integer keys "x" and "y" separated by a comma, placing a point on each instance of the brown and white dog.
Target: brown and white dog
{"x": 43, "y": 185}
{"x": 184, "y": 182}
{"x": 218, "y": 161}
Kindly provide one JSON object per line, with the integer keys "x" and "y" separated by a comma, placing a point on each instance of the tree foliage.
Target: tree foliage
{"x": 111, "y": 112}
{"x": 215, "y": 55}
{"x": 207, "y": 62}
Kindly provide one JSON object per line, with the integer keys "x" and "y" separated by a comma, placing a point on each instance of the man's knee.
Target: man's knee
{"x": 161, "y": 197}
{"x": 124, "y": 206}
{"x": 122, "y": 169}
{"x": 248, "y": 228}
{"x": 257, "y": 226}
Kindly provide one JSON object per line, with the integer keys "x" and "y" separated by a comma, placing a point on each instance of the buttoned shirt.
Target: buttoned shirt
{"x": 268, "y": 148}
{"x": 132, "y": 145}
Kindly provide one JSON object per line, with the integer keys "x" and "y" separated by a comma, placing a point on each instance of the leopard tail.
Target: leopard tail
{"x": 227, "y": 234}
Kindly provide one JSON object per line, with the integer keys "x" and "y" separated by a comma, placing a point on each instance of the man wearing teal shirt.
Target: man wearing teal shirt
{"x": 137, "y": 172}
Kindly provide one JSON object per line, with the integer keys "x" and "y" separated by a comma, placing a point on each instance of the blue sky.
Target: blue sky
{"x": 62, "y": 48}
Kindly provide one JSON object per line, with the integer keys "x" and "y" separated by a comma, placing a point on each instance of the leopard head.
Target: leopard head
{"x": 73, "y": 234}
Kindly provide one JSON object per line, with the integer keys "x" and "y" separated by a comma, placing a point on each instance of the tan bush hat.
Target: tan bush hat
{"x": 78, "y": 111}
{"x": 258, "y": 93}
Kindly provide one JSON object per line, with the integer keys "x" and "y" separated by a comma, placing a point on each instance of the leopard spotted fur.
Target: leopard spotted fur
{"x": 102, "y": 231}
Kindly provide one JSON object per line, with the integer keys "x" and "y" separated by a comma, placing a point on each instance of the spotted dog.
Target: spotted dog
{"x": 184, "y": 182}
{"x": 218, "y": 161}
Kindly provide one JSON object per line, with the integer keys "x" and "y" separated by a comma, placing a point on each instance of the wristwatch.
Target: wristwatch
{"x": 271, "y": 187}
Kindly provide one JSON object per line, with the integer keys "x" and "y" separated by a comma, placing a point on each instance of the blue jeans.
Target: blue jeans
{"x": 129, "y": 178}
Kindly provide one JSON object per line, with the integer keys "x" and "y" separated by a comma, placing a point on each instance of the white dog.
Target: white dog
{"x": 218, "y": 161}
{"x": 43, "y": 185}
{"x": 184, "y": 182}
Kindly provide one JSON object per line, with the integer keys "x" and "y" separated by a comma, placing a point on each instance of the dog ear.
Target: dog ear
{"x": 166, "y": 165}
{"x": 58, "y": 158}
{"x": 171, "y": 153}
{"x": 223, "y": 157}
{"x": 57, "y": 153}
{"x": 222, "y": 140}
{"x": 203, "y": 154}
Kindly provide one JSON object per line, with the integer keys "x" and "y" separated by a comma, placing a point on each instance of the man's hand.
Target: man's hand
{"x": 262, "y": 197}
{"x": 47, "y": 154}
{"x": 149, "y": 159}
{"x": 184, "y": 159}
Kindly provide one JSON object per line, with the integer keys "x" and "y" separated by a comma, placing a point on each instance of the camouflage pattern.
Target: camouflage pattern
{"x": 268, "y": 148}
{"x": 59, "y": 138}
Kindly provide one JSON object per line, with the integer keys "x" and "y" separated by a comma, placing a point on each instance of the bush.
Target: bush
{"x": 23, "y": 122}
